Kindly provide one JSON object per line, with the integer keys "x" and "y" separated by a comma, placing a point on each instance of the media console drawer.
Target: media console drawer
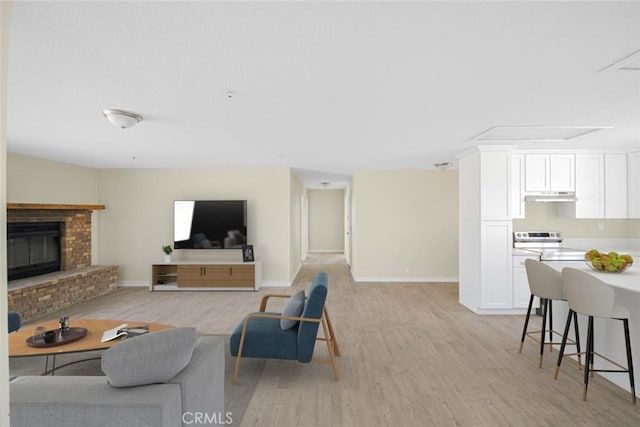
{"x": 202, "y": 276}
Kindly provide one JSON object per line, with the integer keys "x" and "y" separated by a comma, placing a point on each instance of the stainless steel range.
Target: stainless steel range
{"x": 547, "y": 244}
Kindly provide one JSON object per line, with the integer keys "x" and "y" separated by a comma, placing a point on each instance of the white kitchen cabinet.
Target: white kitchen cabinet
{"x": 601, "y": 187}
{"x": 485, "y": 231}
{"x": 589, "y": 186}
{"x": 517, "y": 186}
{"x": 549, "y": 172}
{"x": 521, "y": 291}
{"x": 562, "y": 172}
{"x": 495, "y": 185}
{"x": 633, "y": 182}
{"x": 496, "y": 265}
{"x": 615, "y": 185}
{"x": 536, "y": 173}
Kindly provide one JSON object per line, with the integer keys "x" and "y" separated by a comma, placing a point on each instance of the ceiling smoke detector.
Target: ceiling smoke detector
{"x": 443, "y": 166}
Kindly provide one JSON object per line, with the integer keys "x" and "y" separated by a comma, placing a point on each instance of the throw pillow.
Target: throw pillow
{"x": 293, "y": 308}
{"x": 151, "y": 358}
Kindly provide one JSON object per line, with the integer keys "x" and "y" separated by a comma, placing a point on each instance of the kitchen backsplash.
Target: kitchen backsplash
{"x": 544, "y": 216}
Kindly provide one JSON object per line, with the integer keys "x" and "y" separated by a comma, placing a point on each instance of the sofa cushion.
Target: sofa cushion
{"x": 148, "y": 359}
{"x": 86, "y": 401}
{"x": 293, "y": 308}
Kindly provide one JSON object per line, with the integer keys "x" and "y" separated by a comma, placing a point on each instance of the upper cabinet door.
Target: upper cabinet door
{"x": 536, "y": 173}
{"x": 615, "y": 185}
{"x": 549, "y": 172}
{"x": 562, "y": 172}
{"x": 517, "y": 186}
{"x": 633, "y": 180}
{"x": 495, "y": 179}
{"x": 590, "y": 186}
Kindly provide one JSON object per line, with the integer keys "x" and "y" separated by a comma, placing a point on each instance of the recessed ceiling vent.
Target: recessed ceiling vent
{"x": 513, "y": 134}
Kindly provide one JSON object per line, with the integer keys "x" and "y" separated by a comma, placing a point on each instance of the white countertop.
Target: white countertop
{"x": 524, "y": 252}
{"x": 629, "y": 280}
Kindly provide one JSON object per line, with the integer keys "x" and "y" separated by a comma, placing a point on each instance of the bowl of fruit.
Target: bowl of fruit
{"x": 610, "y": 262}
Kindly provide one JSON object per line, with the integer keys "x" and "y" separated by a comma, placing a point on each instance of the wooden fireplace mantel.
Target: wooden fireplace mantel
{"x": 49, "y": 206}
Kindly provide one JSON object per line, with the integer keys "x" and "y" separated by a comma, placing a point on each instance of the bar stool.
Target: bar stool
{"x": 592, "y": 297}
{"x": 546, "y": 284}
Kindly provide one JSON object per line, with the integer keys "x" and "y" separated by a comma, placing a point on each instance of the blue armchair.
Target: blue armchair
{"x": 259, "y": 335}
{"x": 14, "y": 321}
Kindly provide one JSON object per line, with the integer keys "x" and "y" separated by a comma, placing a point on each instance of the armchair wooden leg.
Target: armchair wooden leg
{"x": 240, "y": 347}
{"x": 333, "y": 334}
{"x": 330, "y": 346}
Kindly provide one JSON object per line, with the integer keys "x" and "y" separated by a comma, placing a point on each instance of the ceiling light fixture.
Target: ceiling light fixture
{"x": 325, "y": 184}
{"x": 443, "y": 166}
{"x": 121, "y": 118}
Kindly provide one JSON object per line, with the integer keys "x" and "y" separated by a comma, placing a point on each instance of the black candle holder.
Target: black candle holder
{"x": 64, "y": 325}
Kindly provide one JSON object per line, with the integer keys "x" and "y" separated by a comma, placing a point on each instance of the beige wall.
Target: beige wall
{"x": 326, "y": 220}
{"x": 405, "y": 225}
{"x": 139, "y": 216}
{"x": 33, "y": 180}
{"x": 544, "y": 216}
{"x": 634, "y": 228}
{"x": 296, "y": 192}
{"x": 5, "y": 24}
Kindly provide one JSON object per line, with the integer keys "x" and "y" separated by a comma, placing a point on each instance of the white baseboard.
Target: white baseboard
{"x": 478, "y": 310}
{"x": 326, "y": 251}
{"x": 358, "y": 280}
{"x": 274, "y": 284}
{"x": 131, "y": 284}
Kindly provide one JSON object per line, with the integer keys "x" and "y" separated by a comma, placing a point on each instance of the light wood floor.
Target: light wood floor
{"x": 411, "y": 356}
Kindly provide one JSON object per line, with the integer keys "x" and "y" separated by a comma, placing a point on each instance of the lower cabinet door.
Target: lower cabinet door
{"x": 192, "y": 276}
{"x": 216, "y": 275}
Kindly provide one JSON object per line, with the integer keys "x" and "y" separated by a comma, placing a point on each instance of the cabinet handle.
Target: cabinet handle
{"x": 230, "y": 271}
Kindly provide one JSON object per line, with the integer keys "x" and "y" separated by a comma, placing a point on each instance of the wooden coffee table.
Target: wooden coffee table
{"x": 95, "y": 327}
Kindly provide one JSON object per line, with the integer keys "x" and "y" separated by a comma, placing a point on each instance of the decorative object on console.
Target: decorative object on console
{"x": 247, "y": 253}
{"x": 122, "y": 118}
{"x": 168, "y": 250}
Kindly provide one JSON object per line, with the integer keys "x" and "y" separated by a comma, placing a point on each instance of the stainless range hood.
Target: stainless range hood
{"x": 560, "y": 196}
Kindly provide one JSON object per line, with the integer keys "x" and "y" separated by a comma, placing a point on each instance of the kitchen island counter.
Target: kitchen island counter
{"x": 628, "y": 280}
{"x": 608, "y": 333}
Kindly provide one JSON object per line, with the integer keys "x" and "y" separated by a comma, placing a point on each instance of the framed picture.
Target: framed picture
{"x": 247, "y": 253}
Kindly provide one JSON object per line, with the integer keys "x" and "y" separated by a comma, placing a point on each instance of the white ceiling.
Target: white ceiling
{"x": 326, "y": 88}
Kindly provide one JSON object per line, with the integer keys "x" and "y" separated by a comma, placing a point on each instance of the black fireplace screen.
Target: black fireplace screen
{"x": 33, "y": 248}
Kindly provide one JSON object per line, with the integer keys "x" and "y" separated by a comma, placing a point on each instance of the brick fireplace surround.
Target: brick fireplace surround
{"x": 78, "y": 280}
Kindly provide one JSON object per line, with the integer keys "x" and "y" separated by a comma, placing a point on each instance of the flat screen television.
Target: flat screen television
{"x": 209, "y": 224}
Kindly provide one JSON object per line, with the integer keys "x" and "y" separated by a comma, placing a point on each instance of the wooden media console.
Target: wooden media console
{"x": 210, "y": 276}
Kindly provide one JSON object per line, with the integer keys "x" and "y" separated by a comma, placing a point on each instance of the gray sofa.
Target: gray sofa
{"x": 166, "y": 378}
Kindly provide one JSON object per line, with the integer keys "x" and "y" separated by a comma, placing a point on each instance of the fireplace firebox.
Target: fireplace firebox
{"x": 33, "y": 248}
